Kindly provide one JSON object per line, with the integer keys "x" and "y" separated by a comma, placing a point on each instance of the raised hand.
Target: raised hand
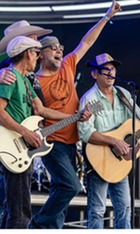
{"x": 115, "y": 7}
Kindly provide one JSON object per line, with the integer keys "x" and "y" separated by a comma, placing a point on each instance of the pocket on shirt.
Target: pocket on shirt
{"x": 120, "y": 108}
{"x": 103, "y": 120}
{"x": 121, "y": 114}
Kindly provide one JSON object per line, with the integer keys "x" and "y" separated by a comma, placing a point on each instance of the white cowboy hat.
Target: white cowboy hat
{"x": 20, "y": 28}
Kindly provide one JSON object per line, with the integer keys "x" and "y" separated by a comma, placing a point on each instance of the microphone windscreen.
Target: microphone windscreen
{"x": 88, "y": 63}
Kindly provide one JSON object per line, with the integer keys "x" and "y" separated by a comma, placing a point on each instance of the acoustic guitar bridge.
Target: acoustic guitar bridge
{"x": 116, "y": 154}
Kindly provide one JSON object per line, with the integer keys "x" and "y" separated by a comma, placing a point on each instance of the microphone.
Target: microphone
{"x": 133, "y": 85}
{"x": 111, "y": 77}
{"x": 99, "y": 67}
{"x": 130, "y": 83}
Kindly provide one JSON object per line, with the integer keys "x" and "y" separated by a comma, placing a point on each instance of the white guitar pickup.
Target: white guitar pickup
{"x": 39, "y": 133}
{"x": 17, "y": 145}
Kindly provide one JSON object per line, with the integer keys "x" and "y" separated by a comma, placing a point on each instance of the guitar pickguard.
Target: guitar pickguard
{"x": 45, "y": 148}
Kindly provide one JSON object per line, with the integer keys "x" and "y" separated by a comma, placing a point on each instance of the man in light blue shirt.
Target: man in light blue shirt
{"x": 114, "y": 114}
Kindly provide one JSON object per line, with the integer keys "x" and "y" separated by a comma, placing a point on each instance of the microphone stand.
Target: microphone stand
{"x": 134, "y": 92}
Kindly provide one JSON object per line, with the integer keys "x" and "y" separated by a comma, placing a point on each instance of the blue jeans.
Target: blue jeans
{"x": 60, "y": 163}
{"x": 17, "y": 207}
{"x": 120, "y": 196}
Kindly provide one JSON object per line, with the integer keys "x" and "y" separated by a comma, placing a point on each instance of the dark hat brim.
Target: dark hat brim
{"x": 116, "y": 63}
{"x": 96, "y": 66}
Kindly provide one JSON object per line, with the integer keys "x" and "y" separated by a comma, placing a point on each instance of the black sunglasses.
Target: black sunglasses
{"x": 37, "y": 51}
{"x": 55, "y": 47}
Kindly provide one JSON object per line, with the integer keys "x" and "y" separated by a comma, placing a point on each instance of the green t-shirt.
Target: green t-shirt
{"x": 19, "y": 104}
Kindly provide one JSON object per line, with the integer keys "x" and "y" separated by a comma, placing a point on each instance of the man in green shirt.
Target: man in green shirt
{"x": 113, "y": 115}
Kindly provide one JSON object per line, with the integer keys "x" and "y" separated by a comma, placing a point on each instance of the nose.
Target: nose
{"x": 111, "y": 71}
{"x": 58, "y": 50}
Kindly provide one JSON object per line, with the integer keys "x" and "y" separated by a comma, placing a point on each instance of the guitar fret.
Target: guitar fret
{"x": 61, "y": 124}
{"x": 94, "y": 107}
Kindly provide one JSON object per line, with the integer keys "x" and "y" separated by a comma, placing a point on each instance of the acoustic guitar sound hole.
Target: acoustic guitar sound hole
{"x": 128, "y": 139}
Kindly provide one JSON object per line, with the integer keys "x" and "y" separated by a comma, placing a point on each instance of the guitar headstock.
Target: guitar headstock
{"x": 95, "y": 107}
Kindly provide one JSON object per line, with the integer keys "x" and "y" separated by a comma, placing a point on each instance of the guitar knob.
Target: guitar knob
{"x": 26, "y": 162}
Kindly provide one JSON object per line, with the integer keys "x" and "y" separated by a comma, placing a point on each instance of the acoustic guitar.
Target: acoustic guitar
{"x": 106, "y": 161}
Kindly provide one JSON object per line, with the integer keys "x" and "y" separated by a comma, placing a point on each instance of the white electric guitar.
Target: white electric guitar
{"x": 16, "y": 155}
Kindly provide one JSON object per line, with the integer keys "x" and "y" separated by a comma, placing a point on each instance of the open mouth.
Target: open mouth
{"x": 57, "y": 58}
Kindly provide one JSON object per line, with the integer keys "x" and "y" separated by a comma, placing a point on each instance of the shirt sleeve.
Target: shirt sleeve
{"x": 70, "y": 60}
{"x": 6, "y": 91}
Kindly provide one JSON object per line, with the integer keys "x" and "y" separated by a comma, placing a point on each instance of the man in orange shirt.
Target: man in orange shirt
{"x": 56, "y": 77}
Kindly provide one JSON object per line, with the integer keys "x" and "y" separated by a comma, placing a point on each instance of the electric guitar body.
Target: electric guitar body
{"x": 15, "y": 154}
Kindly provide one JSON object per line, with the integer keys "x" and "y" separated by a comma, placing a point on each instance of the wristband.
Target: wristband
{"x": 107, "y": 19}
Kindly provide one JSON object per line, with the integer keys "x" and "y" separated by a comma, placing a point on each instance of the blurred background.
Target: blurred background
{"x": 71, "y": 19}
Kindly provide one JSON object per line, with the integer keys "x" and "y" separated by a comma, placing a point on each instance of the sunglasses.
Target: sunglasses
{"x": 36, "y": 51}
{"x": 55, "y": 47}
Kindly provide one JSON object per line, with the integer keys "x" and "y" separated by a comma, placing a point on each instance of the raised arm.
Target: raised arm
{"x": 91, "y": 36}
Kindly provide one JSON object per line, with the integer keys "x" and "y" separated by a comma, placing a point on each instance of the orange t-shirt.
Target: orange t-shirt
{"x": 60, "y": 94}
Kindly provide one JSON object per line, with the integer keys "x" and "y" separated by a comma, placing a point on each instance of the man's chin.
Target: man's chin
{"x": 57, "y": 66}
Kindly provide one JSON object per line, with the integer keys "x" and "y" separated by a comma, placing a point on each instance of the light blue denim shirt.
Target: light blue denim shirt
{"x": 109, "y": 118}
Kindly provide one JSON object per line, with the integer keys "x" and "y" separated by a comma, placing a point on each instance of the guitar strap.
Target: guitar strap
{"x": 35, "y": 111}
{"x": 31, "y": 99}
{"x": 122, "y": 97}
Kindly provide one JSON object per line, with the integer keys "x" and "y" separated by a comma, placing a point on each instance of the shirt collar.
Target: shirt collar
{"x": 100, "y": 92}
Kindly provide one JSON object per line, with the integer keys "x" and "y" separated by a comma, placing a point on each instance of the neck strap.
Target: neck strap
{"x": 122, "y": 97}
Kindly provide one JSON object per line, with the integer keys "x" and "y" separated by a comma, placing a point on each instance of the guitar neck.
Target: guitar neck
{"x": 61, "y": 124}
{"x": 94, "y": 107}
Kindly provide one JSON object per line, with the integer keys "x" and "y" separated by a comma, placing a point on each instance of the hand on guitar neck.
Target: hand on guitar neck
{"x": 85, "y": 113}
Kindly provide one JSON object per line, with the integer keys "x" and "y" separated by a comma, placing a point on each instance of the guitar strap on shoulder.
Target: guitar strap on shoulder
{"x": 122, "y": 97}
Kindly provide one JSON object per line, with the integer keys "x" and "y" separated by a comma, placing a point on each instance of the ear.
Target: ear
{"x": 41, "y": 54}
{"x": 94, "y": 74}
{"x": 28, "y": 54}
